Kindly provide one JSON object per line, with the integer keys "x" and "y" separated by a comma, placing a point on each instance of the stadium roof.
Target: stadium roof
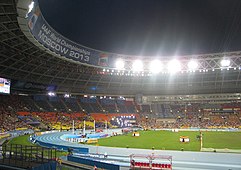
{"x": 21, "y": 59}
{"x": 148, "y": 27}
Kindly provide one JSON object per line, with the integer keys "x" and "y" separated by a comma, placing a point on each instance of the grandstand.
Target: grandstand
{"x": 27, "y": 110}
{"x": 49, "y": 90}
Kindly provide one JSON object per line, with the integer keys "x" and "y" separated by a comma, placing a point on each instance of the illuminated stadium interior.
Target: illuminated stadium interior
{"x": 34, "y": 65}
{"x": 43, "y": 88}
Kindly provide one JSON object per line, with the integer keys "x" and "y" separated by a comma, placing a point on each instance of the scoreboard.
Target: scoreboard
{"x": 5, "y": 85}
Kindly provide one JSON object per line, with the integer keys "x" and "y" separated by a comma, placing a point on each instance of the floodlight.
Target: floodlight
{"x": 174, "y": 66}
{"x": 137, "y": 65}
{"x": 225, "y": 63}
{"x": 155, "y": 66}
{"x": 30, "y": 7}
{"x": 66, "y": 95}
{"x": 51, "y": 94}
{"x": 192, "y": 65}
{"x": 120, "y": 64}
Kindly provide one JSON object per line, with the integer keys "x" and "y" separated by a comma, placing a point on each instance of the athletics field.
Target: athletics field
{"x": 167, "y": 140}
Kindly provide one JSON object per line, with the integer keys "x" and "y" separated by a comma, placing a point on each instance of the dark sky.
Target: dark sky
{"x": 148, "y": 27}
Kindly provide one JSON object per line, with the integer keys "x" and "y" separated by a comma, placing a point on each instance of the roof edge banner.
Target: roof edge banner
{"x": 62, "y": 46}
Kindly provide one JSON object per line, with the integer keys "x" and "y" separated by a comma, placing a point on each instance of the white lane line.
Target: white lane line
{"x": 185, "y": 168}
{"x": 207, "y": 164}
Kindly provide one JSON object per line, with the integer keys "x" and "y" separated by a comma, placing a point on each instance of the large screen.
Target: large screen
{"x": 5, "y": 85}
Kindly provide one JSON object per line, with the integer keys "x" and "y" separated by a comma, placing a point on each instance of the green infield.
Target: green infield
{"x": 222, "y": 140}
{"x": 154, "y": 139}
{"x": 23, "y": 140}
{"x": 166, "y": 140}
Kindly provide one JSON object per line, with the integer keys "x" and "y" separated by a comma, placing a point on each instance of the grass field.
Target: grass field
{"x": 221, "y": 140}
{"x": 23, "y": 140}
{"x": 170, "y": 140}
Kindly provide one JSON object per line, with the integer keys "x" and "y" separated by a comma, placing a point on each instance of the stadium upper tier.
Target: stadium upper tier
{"x": 30, "y": 51}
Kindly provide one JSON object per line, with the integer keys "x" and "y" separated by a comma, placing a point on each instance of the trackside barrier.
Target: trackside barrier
{"x": 153, "y": 161}
{"x": 46, "y": 166}
{"x": 145, "y": 165}
{"x": 92, "y": 162}
{"x": 64, "y": 148}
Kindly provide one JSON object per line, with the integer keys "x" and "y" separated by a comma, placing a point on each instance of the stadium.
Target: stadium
{"x": 64, "y": 105}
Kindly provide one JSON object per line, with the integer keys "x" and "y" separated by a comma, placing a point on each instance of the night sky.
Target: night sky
{"x": 148, "y": 27}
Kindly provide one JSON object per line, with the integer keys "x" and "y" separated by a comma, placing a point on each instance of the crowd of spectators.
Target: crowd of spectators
{"x": 203, "y": 119}
{"x": 181, "y": 115}
{"x": 9, "y": 119}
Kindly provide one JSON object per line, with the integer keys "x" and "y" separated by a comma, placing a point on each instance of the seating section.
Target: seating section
{"x": 72, "y": 105}
{"x": 29, "y": 103}
{"x": 29, "y": 120}
{"x": 90, "y": 105}
{"x": 146, "y": 109}
{"x": 57, "y": 103}
{"x": 130, "y": 106}
{"x": 109, "y": 105}
{"x": 100, "y": 117}
{"x": 21, "y": 111}
{"x": 9, "y": 119}
{"x": 43, "y": 104}
{"x": 121, "y": 106}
